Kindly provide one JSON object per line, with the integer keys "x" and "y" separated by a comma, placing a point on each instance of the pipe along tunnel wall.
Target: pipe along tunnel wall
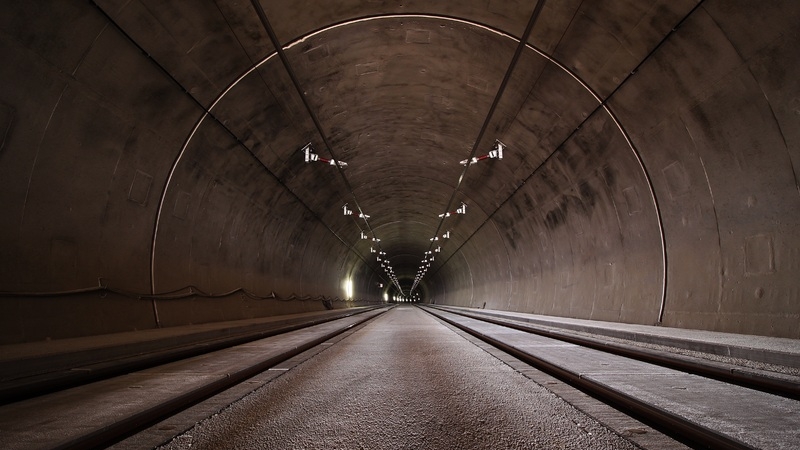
{"x": 152, "y": 148}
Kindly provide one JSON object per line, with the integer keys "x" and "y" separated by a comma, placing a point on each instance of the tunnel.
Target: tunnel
{"x": 174, "y": 163}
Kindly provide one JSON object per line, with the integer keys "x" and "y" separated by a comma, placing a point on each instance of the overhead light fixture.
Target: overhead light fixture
{"x": 460, "y": 210}
{"x": 349, "y": 212}
{"x": 310, "y": 156}
{"x": 495, "y": 153}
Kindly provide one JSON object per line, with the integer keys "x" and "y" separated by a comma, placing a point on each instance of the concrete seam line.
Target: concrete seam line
{"x": 537, "y": 9}
{"x": 262, "y": 15}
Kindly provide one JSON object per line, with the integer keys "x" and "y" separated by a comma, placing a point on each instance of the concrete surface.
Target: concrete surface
{"x": 650, "y": 174}
{"x": 771, "y": 350}
{"x": 65, "y": 417}
{"x": 402, "y": 381}
{"x": 755, "y": 418}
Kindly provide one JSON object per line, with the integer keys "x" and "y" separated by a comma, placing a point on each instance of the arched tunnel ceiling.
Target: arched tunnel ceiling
{"x": 649, "y": 172}
{"x": 402, "y": 92}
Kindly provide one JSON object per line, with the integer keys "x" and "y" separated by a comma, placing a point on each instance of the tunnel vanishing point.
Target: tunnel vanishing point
{"x": 155, "y": 166}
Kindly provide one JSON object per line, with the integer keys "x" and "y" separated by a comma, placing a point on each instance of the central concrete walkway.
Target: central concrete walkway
{"x": 404, "y": 381}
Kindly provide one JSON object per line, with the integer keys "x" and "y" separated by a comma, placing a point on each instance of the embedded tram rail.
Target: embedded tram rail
{"x": 100, "y": 413}
{"x": 763, "y": 380}
{"x": 666, "y": 392}
{"x": 42, "y": 370}
{"x": 718, "y": 410}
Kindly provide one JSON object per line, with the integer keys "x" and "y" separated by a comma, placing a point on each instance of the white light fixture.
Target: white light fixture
{"x": 495, "y": 153}
{"x": 460, "y": 210}
{"x": 349, "y": 212}
{"x": 310, "y": 156}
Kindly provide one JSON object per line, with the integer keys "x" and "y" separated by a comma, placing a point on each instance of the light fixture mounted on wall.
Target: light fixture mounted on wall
{"x": 460, "y": 210}
{"x": 495, "y": 153}
{"x": 310, "y": 156}
{"x": 349, "y": 212}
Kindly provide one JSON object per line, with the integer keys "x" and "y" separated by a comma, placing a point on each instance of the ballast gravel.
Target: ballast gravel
{"x": 404, "y": 381}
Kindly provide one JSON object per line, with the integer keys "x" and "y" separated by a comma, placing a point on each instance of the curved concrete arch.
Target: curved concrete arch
{"x": 651, "y": 172}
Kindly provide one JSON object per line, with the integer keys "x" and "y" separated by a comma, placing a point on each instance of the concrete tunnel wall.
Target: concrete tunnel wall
{"x": 152, "y": 148}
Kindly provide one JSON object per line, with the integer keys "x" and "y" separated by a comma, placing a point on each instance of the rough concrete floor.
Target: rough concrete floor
{"x": 404, "y": 381}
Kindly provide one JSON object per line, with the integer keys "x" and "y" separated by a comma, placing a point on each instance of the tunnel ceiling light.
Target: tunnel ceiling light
{"x": 349, "y": 212}
{"x": 460, "y": 210}
{"x": 309, "y": 156}
{"x": 495, "y": 153}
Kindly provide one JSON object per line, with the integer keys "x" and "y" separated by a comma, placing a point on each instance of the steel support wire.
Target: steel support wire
{"x": 511, "y": 66}
{"x": 262, "y": 16}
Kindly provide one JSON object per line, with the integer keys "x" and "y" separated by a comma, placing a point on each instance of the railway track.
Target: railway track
{"x": 700, "y": 403}
{"x": 697, "y": 402}
{"x": 30, "y": 376}
{"x": 98, "y": 414}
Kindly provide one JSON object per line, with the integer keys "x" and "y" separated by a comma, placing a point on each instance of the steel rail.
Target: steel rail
{"x": 88, "y": 368}
{"x": 669, "y": 423}
{"x": 108, "y": 435}
{"x": 698, "y": 366}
